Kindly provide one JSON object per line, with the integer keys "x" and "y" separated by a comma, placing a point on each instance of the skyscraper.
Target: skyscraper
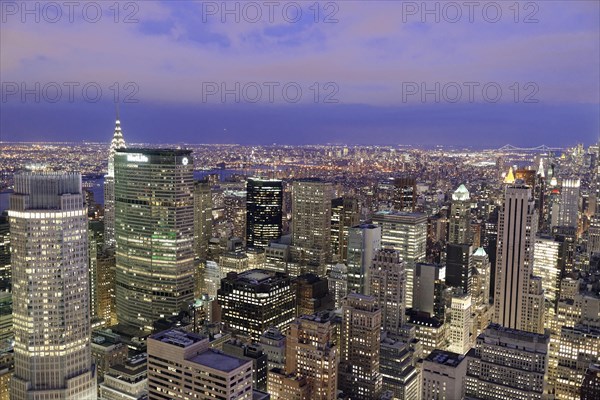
{"x": 360, "y": 339}
{"x": 344, "y": 215}
{"x": 406, "y": 233}
{"x": 118, "y": 142}
{"x": 154, "y": 192}
{"x": 405, "y": 194}
{"x": 202, "y": 219}
{"x": 459, "y": 266}
{"x": 363, "y": 241}
{"x": 461, "y": 323}
{"x": 518, "y": 301}
{"x": 255, "y": 300}
{"x": 460, "y": 217}
{"x": 311, "y": 218}
{"x": 312, "y": 353}
{"x": 264, "y": 199}
{"x": 568, "y": 211}
{"x": 388, "y": 287}
{"x": 51, "y": 310}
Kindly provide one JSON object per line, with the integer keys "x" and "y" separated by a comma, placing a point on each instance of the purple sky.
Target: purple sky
{"x": 374, "y": 62}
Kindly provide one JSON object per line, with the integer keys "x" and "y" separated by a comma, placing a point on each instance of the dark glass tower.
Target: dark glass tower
{"x": 263, "y": 211}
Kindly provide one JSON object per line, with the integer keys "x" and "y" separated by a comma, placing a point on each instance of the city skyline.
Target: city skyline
{"x": 385, "y": 72}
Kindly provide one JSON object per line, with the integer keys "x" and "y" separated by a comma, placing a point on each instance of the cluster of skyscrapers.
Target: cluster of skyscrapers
{"x": 310, "y": 294}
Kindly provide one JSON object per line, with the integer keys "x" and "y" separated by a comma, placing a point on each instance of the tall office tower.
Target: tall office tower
{"x": 109, "y": 186}
{"x": 459, "y": 222}
{"x": 568, "y": 212}
{"x": 517, "y": 302}
{"x": 344, "y": 215}
{"x": 5, "y": 266}
{"x": 507, "y": 364}
{"x": 363, "y": 241}
{"x": 154, "y": 191}
{"x": 264, "y": 199}
{"x": 490, "y": 245}
{"x": 459, "y": 269}
{"x": 546, "y": 266}
{"x": 51, "y": 310}
{"x": 360, "y": 340}
{"x": 233, "y": 261}
{"x": 312, "y": 294}
{"x": 202, "y": 219}
{"x": 461, "y": 323}
{"x": 234, "y": 202}
{"x": 255, "y": 300}
{"x": 443, "y": 375}
{"x": 181, "y": 366}
{"x": 405, "y": 194}
{"x": 567, "y": 237}
{"x": 338, "y": 283}
{"x": 95, "y": 246}
{"x": 311, "y": 352}
{"x": 482, "y": 268}
{"x": 283, "y": 386}
{"x": 397, "y": 364}
{"x": 253, "y": 352}
{"x": 429, "y": 290}
{"x": 480, "y": 292}
{"x": 406, "y": 233}
{"x": 106, "y": 289}
{"x": 388, "y": 287}
{"x": 311, "y": 219}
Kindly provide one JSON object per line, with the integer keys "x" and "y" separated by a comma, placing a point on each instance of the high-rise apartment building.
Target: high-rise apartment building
{"x": 118, "y": 142}
{"x": 344, "y": 215}
{"x": 255, "y": 300}
{"x": 154, "y": 205}
{"x": 360, "y": 340}
{"x": 518, "y": 300}
{"x": 311, "y": 352}
{"x": 459, "y": 222}
{"x": 311, "y": 219}
{"x": 363, "y": 241}
{"x": 406, "y": 233}
{"x": 51, "y": 309}
{"x": 202, "y": 219}
{"x": 388, "y": 287}
{"x": 507, "y": 364}
{"x": 264, "y": 199}
{"x": 182, "y": 366}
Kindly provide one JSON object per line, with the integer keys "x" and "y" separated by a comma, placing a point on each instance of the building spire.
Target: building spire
{"x": 118, "y": 142}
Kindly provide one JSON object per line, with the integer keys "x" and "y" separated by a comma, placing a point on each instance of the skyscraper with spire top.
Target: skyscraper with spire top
{"x": 118, "y": 142}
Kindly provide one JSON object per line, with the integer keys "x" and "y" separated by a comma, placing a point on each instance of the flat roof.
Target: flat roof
{"x": 220, "y": 361}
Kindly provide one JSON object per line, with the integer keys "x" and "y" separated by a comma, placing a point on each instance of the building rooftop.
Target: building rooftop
{"x": 445, "y": 357}
{"x": 217, "y": 360}
{"x": 156, "y": 152}
{"x": 177, "y": 338}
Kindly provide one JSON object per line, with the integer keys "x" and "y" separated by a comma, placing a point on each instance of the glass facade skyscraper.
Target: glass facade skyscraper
{"x": 263, "y": 211}
{"x": 154, "y": 214}
{"x": 51, "y": 310}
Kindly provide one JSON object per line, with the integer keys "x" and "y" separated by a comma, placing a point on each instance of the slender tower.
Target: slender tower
{"x": 518, "y": 303}
{"x": 51, "y": 310}
{"x": 109, "y": 185}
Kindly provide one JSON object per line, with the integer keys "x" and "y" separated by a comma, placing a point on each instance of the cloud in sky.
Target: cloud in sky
{"x": 373, "y": 50}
